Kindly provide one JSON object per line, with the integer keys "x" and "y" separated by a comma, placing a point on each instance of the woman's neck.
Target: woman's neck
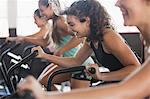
{"x": 145, "y": 31}
{"x": 42, "y": 27}
{"x": 55, "y": 17}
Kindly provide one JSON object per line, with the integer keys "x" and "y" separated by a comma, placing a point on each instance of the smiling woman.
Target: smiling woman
{"x": 89, "y": 19}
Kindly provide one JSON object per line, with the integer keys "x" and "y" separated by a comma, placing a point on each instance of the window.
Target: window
{"x": 3, "y": 19}
{"x": 25, "y": 20}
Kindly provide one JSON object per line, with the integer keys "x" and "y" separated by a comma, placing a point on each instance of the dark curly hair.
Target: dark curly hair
{"x": 99, "y": 18}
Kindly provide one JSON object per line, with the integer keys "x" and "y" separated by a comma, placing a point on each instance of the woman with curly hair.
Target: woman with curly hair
{"x": 87, "y": 18}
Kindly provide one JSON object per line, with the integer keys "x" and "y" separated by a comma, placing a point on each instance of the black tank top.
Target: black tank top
{"x": 107, "y": 60}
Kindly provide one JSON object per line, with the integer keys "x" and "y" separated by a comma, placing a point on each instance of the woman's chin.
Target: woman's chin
{"x": 128, "y": 23}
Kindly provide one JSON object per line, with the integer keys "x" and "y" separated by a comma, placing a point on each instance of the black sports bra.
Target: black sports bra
{"x": 107, "y": 60}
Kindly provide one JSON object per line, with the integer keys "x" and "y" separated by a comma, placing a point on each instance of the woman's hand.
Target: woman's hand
{"x": 97, "y": 75}
{"x": 18, "y": 39}
{"x": 41, "y": 53}
{"x": 32, "y": 85}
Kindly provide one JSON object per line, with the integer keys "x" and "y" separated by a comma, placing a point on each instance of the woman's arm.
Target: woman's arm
{"x": 122, "y": 52}
{"x": 80, "y": 57}
{"x": 135, "y": 86}
{"x": 36, "y": 38}
{"x": 69, "y": 45}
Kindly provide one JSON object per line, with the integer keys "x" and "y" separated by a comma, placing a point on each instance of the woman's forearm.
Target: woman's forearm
{"x": 37, "y": 41}
{"x": 62, "y": 61}
{"x": 71, "y": 44}
{"x": 38, "y": 38}
{"x": 105, "y": 92}
{"x": 119, "y": 74}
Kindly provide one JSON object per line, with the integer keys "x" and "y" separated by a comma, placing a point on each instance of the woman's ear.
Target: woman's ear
{"x": 87, "y": 20}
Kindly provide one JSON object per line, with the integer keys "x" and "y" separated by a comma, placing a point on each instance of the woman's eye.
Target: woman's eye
{"x": 71, "y": 25}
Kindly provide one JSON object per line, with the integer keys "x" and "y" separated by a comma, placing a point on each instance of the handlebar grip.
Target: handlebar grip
{"x": 92, "y": 70}
{"x": 27, "y": 94}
